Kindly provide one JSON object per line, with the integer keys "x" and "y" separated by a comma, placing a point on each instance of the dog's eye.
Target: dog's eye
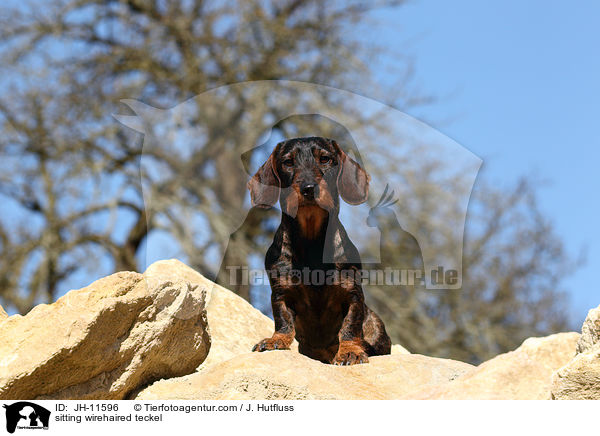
{"x": 288, "y": 162}
{"x": 324, "y": 159}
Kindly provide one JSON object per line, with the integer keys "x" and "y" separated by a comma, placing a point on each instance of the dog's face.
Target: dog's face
{"x": 308, "y": 172}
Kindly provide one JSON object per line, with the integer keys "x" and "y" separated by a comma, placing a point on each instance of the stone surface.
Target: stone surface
{"x": 590, "y": 332}
{"x": 399, "y": 349}
{"x": 170, "y": 333}
{"x": 235, "y": 326}
{"x": 106, "y": 340}
{"x": 289, "y": 375}
{"x": 579, "y": 379}
{"x": 523, "y": 374}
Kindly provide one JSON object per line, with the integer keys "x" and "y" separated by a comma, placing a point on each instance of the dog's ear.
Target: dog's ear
{"x": 264, "y": 186}
{"x": 352, "y": 180}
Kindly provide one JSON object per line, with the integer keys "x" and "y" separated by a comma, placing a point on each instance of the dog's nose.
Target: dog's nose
{"x": 308, "y": 190}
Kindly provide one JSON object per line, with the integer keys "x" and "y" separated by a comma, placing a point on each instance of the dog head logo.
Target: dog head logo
{"x": 26, "y": 415}
{"x": 216, "y": 142}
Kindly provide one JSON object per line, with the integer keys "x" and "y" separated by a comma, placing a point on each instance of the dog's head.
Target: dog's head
{"x": 308, "y": 172}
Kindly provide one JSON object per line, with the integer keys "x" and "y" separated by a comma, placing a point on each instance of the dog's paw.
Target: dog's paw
{"x": 271, "y": 344}
{"x": 352, "y": 355}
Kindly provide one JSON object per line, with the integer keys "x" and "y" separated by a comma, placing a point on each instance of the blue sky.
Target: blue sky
{"x": 519, "y": 86}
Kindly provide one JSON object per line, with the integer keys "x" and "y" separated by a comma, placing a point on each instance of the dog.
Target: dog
{"x": 330, "y": 319}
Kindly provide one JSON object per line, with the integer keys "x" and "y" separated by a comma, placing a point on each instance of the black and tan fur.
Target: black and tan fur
{"x": 330, "y": 321}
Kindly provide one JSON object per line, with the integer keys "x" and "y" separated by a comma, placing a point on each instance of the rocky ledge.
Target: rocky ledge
{"x": 170, "y": 333}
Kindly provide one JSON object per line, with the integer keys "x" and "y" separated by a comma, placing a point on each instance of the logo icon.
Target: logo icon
{"x": 429, "y": 173}
{"x": 26, "y": 415}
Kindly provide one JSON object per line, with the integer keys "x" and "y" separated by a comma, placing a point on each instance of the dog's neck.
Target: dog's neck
{"x": 315, "y": 232}
{"x": 312, "y": 222}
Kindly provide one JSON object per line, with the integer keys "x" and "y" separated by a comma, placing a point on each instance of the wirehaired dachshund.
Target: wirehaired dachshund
{"x": 313, "y": 266}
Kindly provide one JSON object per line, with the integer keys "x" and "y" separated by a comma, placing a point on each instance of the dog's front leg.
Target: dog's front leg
{"x": 284, "y": 326}
{"x": 351, "y": 349}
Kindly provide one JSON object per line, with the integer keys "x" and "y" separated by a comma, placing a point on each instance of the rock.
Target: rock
{"x": 288, "y": 375}
{"x": 579, "y": 379}
{"x": 399, "y": 349}
{"x": 170, "y": 333}
{"x": 523, "y": 374}
{"x": 106, "y": 340}
{"x": 590, "y": 332}
{"x": 234, "y": 325}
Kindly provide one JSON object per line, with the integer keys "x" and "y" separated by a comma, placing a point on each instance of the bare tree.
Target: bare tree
{"x": 93, "y": 53}
{"x": 513, "y": 263}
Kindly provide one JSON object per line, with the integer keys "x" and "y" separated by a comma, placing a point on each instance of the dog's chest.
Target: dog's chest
{"x": 318, "y": 310}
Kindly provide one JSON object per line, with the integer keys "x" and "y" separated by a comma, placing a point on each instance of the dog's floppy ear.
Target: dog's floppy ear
{"x": 264, "y": 186}
{"x": 352, "y": 180}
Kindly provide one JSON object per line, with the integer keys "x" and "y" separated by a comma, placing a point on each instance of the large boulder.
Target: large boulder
{"x": 590, "y": 332}
{"x": 399, "y": 349}
{"x": 579, "y": 379}
{"x": 170, "y": 333}
{"x": 106, "y": 340}
{"x": 288, "y": 375}
{"x": 235, "y": 325}
{"x": 523, "y": 374}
